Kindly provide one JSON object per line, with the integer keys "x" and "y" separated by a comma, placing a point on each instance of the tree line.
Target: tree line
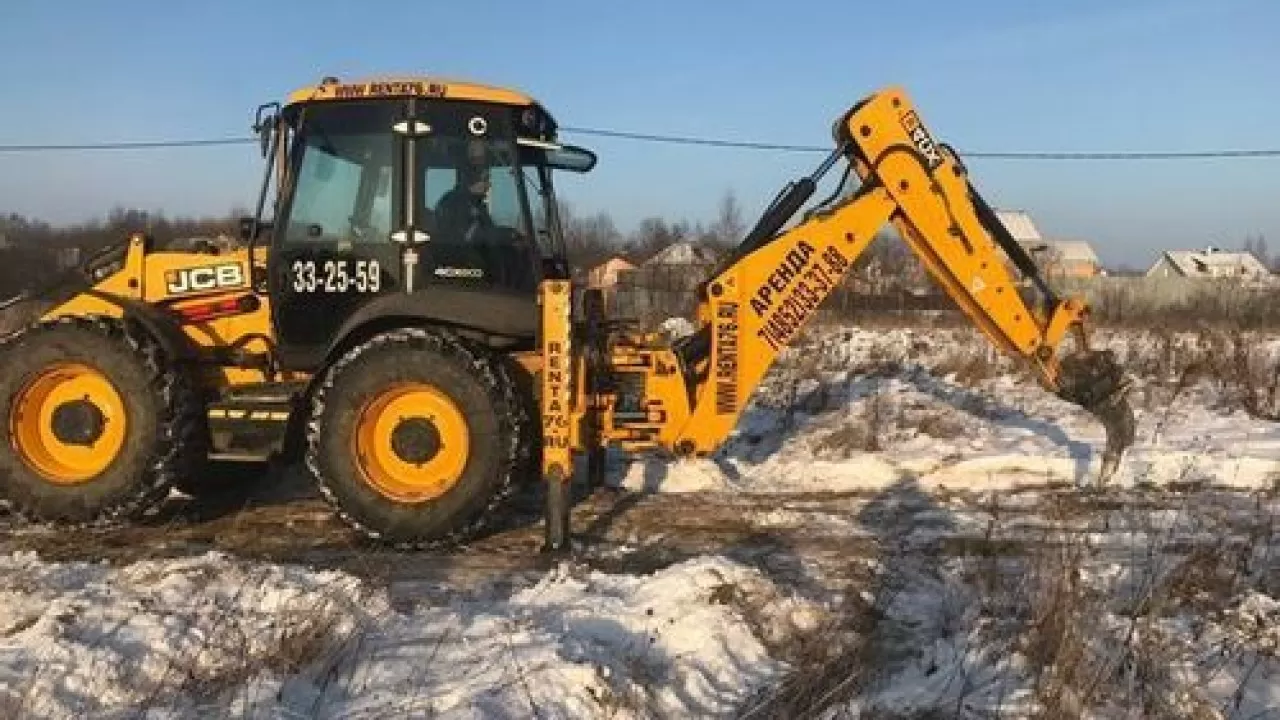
{"x": 32, "y": 249}
{"x": 591, "y": 239}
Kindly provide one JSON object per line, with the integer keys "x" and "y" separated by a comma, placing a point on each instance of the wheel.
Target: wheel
{"x": 529, "y": 461}
{"x": 414, "y": 437}
{"x": 98, "y": 426}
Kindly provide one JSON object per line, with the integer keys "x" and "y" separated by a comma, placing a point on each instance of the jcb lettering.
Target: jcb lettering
{"x": 202, "y": 279}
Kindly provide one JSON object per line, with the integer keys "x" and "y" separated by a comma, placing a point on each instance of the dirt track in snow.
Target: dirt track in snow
{"x": 798, "y": 538}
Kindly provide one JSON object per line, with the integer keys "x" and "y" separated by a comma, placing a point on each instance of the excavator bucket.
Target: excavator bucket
{"x": 1094, "y": 380}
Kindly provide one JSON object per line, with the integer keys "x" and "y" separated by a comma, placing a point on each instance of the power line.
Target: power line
{"x": 1027, "y": 155}
{"x": 1133, "y": 155}
{"x": 691, "y": 140}
{"x": 683, "y": 140}
{"x": 125, "y": 145}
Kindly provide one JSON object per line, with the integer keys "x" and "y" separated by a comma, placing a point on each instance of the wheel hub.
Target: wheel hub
{"x": 78, "y": 422}
{"x": 68, "y": 423}
{"x": 412, "y": 442}
{"x": 415, "y": 440}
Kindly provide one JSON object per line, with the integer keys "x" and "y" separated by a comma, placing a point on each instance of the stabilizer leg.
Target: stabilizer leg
{"x": 556, "y": 513}
{"x": 557, "y": 400}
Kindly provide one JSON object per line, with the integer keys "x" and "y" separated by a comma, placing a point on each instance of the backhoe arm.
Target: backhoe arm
{"x": 775, "y": 281}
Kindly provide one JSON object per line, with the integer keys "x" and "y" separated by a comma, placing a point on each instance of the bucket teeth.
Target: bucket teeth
{"x": 1094, "y": 380}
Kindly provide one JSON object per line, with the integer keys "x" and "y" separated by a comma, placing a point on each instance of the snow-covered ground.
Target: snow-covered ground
{"x": 862, "y": 410}
{"x": 212, "y": 636}
{"x": 945, "y": 565}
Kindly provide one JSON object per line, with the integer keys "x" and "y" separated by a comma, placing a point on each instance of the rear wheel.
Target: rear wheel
{"x": 96, "y": 423}
{"x": 415, "y": 436}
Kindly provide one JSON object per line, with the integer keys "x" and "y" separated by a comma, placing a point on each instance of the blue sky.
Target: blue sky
{"x": 987, "y": 75}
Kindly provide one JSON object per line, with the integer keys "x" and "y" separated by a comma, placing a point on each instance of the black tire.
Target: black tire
{"x": 161, "y": 405}
{"x": 529, "y": 460}
{"x": 485, "y": 395}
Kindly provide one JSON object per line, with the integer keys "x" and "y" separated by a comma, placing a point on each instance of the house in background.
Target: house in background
{"x": 605, "y": 275}
{"x": 1065, "y": 258}
{"x": 682, "y": 254}
{"x": 1210, "y": 262}
{"x": 1020, "y": 226}
{"x": 1062, "y": 258}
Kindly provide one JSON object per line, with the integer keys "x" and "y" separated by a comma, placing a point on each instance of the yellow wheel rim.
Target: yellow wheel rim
{"x": 38, "y": 415}
{"x": 411, "y": 443}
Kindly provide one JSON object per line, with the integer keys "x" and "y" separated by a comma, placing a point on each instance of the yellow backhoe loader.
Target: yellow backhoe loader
{"x": 402, "y": 319}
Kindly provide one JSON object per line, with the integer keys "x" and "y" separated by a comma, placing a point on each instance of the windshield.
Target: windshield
{"x": 483, "y": 198}
{"x": 342, "y": 177}
{"x": 470, "y": 185}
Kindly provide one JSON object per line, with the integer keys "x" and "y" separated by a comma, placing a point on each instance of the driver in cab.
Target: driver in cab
{"x": 463, "y": 212}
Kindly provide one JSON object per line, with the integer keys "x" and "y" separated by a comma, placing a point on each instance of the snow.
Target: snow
{"x": 1000, "y": 433}
{"x": 986, "y": 585}
{"x": 211, "y": 633}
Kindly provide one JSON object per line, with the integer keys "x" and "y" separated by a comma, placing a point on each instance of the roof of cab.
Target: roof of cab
{"x": 407, "y": 85}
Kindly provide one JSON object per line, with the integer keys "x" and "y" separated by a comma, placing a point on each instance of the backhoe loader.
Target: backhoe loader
{"x": 402, "y": 319}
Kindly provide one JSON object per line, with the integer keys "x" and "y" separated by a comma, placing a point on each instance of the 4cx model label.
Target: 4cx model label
{"x": 921, "y": 139}
{"x": 795, "y": 289}
{"x": 201, "y": 279}
{"x": 458, "y": 272}
{"x": 336, "y": 276}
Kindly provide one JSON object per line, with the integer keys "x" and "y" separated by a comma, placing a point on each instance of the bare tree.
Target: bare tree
{"x": 729, "y": 226}
{"x": 654, "y": 234}
{"x": 1256, "y": 245}
{"x": 589, "y": 240}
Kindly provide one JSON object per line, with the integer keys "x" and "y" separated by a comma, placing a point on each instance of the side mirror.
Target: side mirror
{"x": 264, "y": 140}
{"x": 557, "y": 156}
{"x": 572, "y": 158}
{"x": 264, "y": 124}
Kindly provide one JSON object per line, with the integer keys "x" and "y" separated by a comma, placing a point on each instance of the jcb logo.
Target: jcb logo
{"x": 212, "y": 277}
{"x": 921, "y": 139}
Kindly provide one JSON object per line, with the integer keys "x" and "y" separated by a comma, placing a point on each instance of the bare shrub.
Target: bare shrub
{"x": 1250, "y": 379}
{"x": 862, "y": 433}
{"x": 825, "y": 665}
{"x": 308, "y": 633}
{"x": 941, "y": 425}
{"x": 968, "y": 368}
{"x": 1057, "y": 635}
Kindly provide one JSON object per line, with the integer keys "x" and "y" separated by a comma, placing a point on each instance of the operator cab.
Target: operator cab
{"x": 410, "y": 197}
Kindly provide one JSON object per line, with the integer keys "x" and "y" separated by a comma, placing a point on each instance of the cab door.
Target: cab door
{"x": 333, "y": 252}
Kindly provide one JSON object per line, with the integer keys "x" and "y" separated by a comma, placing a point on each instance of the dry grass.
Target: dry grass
{"x": 969, "y": 367}
{"x": 1087, "y": 642}
{"x": 863, "y": 432}
{"x": 214, "y": 659}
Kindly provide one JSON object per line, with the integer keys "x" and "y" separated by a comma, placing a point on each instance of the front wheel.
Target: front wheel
{"x": 414, "y": 437}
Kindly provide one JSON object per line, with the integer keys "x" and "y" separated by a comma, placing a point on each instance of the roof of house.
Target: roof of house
{"x": 1204, "y": 262}
{"x": 613, "y": 262}
{"x": 681, "y": 253}
{"x": 1066, "y": 250}
{"x": 1020, "y": 225}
